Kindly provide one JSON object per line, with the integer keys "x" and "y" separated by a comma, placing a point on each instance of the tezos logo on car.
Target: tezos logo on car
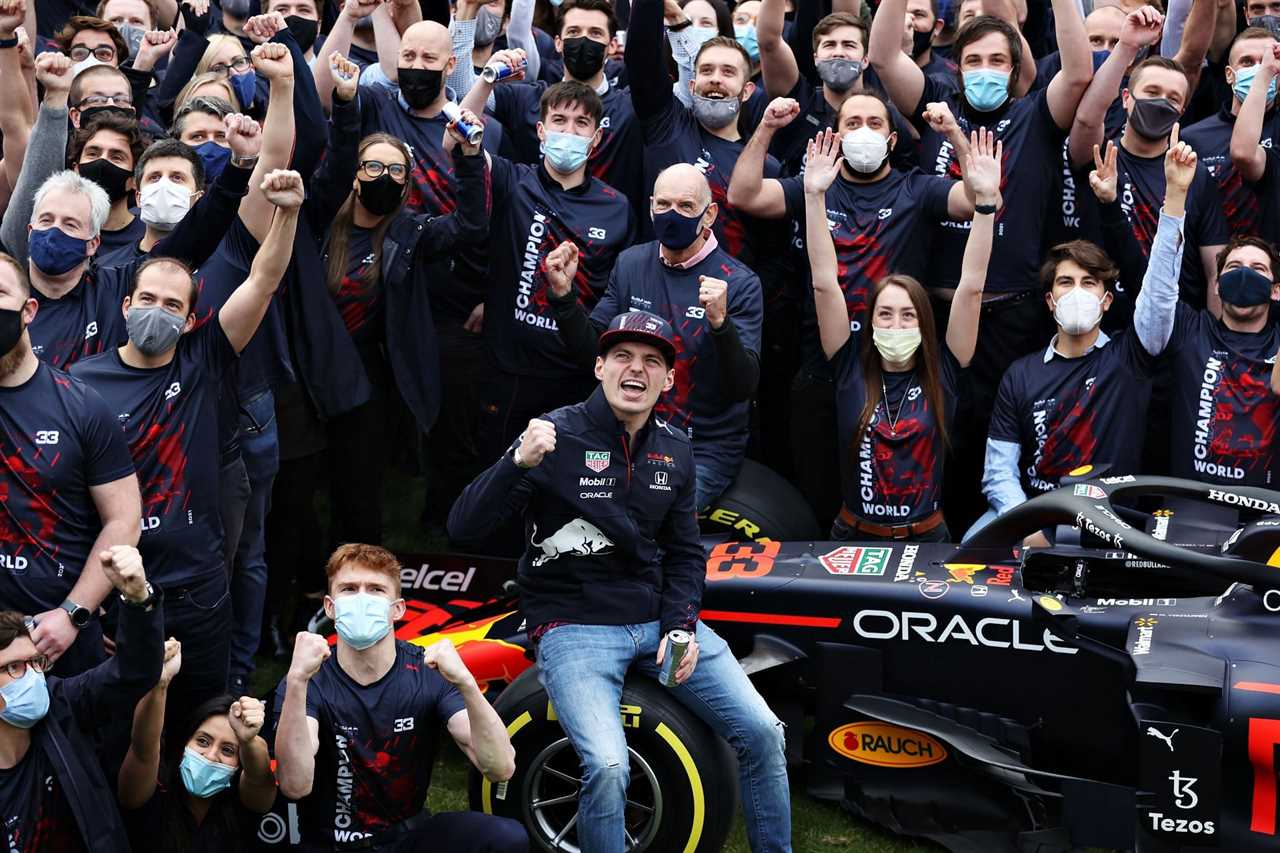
{"x": 885, "y": 745}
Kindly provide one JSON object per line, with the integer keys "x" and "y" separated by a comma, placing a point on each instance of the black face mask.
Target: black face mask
{"x": 1153, "y": 118}
{"x": 10, "y": 329}
{"x": 381, "y": 195}
{"x": 583, "y": 57}
{"x": 420, "y": 86}
{"x": 107, "y": 175}
{"x": 88, "y": 114}
{"x": 304, "y": 31}
{"x": 920, "y": 42}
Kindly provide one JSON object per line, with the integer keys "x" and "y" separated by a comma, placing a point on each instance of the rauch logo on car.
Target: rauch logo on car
{"x": 886, "y": 745}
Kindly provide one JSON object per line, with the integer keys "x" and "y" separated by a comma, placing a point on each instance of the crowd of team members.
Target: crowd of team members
{"x": 921, "y": 259}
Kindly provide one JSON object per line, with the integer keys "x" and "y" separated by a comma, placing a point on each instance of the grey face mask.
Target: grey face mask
{"x": 153, "y": 329}
{"x": 488, "y": 25}
{"x": 132, "y": 37}
{"x": 840, "y": 74}
{"x": 715, "y": 113}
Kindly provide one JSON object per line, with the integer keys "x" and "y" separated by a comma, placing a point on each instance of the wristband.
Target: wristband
{"x": 9, "y": 42}
{"x": 675, "y": 28}
{"x": 984, "y": 208}
{"x": 245, "y": 163}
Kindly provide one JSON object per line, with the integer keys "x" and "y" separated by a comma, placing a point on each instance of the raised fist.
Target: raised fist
{"x": 537, "y": 441}
{"x": 309, "y": 652}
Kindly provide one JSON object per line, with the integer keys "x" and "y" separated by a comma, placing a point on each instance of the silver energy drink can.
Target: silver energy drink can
{"x": 473, "y": 132}
{"x": 677, "y": 645}
{"x": 499, "y": 71}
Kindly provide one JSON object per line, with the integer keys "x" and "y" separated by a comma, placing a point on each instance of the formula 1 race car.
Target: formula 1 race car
{"x": 1120, "y": 689}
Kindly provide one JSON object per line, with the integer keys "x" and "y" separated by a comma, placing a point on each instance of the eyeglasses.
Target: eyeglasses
{"x": 374, "y": 168}
{"x": 102, "y": 53}
{"x": 120, "y": 101}
{"x": 240, "y": 63}
{"x": 18, "y": 668}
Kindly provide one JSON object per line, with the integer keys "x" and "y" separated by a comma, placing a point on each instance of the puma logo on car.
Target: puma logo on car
{"x": 1168, "y": 739}
{"x": 578, "y": 537}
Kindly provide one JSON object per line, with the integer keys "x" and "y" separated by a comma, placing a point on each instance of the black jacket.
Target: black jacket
{"x": 77, "y": 705}
{"x": 415, "y": 250}
{"x": 612, "y": 528}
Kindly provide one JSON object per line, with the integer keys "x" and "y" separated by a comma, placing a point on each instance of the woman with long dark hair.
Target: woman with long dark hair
{"x": 202, "y": 788}
{"x": 896, "y": 388}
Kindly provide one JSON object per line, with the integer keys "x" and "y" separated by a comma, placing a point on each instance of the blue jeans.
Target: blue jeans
{"x": 261, "y": 451}
{"x": 710, "y": 481}
{"x": 582, "y": 668}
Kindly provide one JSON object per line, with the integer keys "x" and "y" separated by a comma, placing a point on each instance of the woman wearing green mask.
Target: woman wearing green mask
{"x": 896, "y": 389}
{"x": 209, "y": 784}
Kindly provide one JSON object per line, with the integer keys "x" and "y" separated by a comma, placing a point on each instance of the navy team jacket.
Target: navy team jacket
{"x": 611, "y": 526}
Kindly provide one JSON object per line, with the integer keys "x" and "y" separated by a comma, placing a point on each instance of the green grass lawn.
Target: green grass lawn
{"x": 817, "y": 827}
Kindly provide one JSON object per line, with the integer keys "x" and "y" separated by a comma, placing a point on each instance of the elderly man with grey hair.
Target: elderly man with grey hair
{"x": 713, "y": 302}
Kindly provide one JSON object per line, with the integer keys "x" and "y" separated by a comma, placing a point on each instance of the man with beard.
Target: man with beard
{"x": 162, "y": 387}
{"x": 67, "y": 489}
{"x": 586, "y": 29}
{"x": 705, "y": 135}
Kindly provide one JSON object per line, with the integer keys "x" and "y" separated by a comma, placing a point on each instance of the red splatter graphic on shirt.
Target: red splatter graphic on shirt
{"x": 1072, "y": 437}
{"x": 431, "y": 190}
{"x": 673, "y": 406}
{"x": 1244, "y": 417}
{"x": 384, "y": 782}
{"x": 164, "y": 482}
{"x": 30, "y": 480}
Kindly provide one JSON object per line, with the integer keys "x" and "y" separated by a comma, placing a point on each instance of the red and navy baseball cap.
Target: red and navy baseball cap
{"x": 641, "y": 327}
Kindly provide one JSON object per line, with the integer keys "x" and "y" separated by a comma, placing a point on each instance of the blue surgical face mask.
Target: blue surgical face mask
{"x": 1244, "y": 82}
{"x": 698, "y": 36}
{"x": 54, "y": 251}
{"x": 26, "y": 699}
{"x": 566, "y": 152}
{"x": 746, "y": 36}
{"x": 246, "y": 87}
{"x": 985, "y": 90}
{"x": 202, "y": 777}
{"x": 215, "y": 158}
{"x": 361, "y": 619}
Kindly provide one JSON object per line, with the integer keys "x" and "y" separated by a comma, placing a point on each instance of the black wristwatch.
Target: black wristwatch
{"x": 80, "y": 616}
{"x": 12, "y": 41}
{"x": 145, "y": 604}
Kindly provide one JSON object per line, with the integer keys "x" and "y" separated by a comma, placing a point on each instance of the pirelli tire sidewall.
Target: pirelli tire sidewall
{"x": 695, "y": 771}
{"x": 761, "y": 504}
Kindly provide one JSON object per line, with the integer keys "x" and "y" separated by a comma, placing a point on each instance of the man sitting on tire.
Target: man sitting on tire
{"x": 613, "y": 565}
{"x": 356, "y": 731}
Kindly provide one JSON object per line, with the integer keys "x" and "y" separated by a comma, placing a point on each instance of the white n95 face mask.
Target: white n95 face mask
{"x": 864, "y": 149}
{"x": 163, "y": 203}
{"x": 1078, "y": 311}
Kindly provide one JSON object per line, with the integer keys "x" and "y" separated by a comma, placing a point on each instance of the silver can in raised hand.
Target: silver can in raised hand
{"x": 473, "y": 132}
{"x": 499, "y": 71}
{"x": 677, "y": 645}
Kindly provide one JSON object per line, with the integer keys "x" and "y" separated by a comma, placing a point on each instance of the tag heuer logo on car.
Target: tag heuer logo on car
{"x": 852, "y": 560}
{"x": 1084, "y": 490}
{"x": 597, "y": 460}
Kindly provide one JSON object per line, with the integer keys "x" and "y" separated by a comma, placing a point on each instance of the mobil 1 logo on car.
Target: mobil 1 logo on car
{"x": 1180, "y": 775}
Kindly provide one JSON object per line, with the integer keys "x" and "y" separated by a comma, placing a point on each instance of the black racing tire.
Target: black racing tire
{"x": 761, "y": 504}
{"x": 680, "y": 771}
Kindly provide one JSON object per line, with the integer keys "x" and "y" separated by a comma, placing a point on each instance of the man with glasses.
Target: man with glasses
{"x": 96, "y": 90}
{"x": 85, "y": 37}
{"x": 53, "y": 792}
{"x": 80, "y": 499}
